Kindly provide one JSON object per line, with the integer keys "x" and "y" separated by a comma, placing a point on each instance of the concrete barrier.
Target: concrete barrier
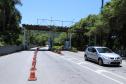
{"x": 10, "y": 49}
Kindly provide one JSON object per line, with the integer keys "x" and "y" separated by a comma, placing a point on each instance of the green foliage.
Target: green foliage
{"x": 115, "y": 22}
{"x": 60, "y": 39}
{"x": 19, "y": 40}
{"x": 74, "y": 49}
{"x": 106, "y": 29}
{"x": 10, "y": 19}
{"x": 1, "y": 42}
{"x": 39, "y": 38}
{"x": 83, "y": 30}
{"x": 57, "y": 49}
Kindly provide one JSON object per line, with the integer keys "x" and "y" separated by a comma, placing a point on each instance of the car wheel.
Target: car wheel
{"x": 100, "y": 62}
{"x": 86, "y": 58}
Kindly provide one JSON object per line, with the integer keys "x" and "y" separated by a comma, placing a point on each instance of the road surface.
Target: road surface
{"x": 52, "y": 68}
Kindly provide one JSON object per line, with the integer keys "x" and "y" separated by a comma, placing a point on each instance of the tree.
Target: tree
{"x": 10, "y": 20}
{"x": 38, "y": 38}
{"x": 106, "y": 29}
{"x": 60, "y": 40}
{"x": 115, "y": 22}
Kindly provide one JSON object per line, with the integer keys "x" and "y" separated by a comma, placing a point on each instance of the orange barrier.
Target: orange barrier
{"x": 32, "y": 76}
{"x": 34, "y": 58}
{"x": 34, "y": 63}
{"x": 33, "y": 68}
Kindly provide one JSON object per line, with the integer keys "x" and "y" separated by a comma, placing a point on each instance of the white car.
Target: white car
{"x": 102, "y": 55}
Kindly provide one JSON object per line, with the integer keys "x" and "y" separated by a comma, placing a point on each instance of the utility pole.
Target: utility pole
{"x": 95, "y": 37}
{"x": 24, "y": 38}
{"x": 102, "y": 5}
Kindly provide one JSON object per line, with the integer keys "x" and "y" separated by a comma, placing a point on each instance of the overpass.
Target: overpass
{"x": 49, "y": 28}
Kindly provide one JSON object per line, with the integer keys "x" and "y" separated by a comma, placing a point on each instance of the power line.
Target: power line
{"x": 55, "y": 20}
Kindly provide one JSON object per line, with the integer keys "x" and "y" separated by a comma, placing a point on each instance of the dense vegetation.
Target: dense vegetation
{"x": 10, "y": 19}
{"x": 107, "y": 28}
{"x": 39, "y": 38}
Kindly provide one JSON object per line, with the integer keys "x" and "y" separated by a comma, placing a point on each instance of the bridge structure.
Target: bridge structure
{"x": 51, "y": 29}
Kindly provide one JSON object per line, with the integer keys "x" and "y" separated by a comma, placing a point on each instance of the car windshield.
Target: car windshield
{"x": 104, "y": 50}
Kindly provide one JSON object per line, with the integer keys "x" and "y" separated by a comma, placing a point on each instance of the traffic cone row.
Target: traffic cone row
{"x": 32, "y": 76}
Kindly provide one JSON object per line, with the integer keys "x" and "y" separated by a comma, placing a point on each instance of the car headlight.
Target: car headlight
{"x": 119, "y": 58}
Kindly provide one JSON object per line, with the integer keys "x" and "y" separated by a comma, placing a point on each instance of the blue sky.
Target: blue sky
{"x": 66, "y": 10}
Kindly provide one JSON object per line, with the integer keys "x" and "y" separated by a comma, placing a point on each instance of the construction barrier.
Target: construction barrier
{"x": 33, "y": 69}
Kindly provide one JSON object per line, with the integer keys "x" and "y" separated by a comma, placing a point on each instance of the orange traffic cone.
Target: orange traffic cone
{"x": 32, "y": 76}
{"x": 33, "y": 68}
{"x": 34, "y": 58}
{"x": 33, "y": 62}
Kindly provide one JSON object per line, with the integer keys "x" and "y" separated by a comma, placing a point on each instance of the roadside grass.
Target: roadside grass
{"x": 57, "y": 49}
{"x": 74, "y": 49}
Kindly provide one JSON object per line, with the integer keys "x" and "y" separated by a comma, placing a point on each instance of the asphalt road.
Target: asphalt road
{"x": 52, "y": 68}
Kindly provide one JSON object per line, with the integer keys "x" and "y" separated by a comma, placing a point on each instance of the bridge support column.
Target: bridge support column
{"x": 50, "y": 40}
{"x": 70, "y": 37}
{"x": 24, "y": 38}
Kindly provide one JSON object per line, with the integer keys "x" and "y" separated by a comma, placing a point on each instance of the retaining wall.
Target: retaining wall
{"x": 10, "y": 49}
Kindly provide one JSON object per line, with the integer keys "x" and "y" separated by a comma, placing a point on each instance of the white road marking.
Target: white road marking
{"x": 115, "y": 74}
{"x": 80, "y": 63}
{"x": 99, "y": 71}
{"x": 111, "y": 78}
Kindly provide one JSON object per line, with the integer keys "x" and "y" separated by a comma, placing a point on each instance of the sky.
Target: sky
{"x": 70, "y": 11}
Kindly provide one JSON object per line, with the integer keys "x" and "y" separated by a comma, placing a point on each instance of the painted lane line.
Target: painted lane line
{"x": 119, "y": 82}
{"x": 80, "y": 63}
{"x": 105, "y": 71}
{"x": 115, "y": 75}
{"x": 108, "y": 72}
{"x": 99, "y": 72}
{"x": 86, "y": 63}
{"x": 99, "y": 69}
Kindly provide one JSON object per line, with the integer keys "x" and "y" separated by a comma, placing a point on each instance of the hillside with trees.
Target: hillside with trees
{"x": 105, "y": 29}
